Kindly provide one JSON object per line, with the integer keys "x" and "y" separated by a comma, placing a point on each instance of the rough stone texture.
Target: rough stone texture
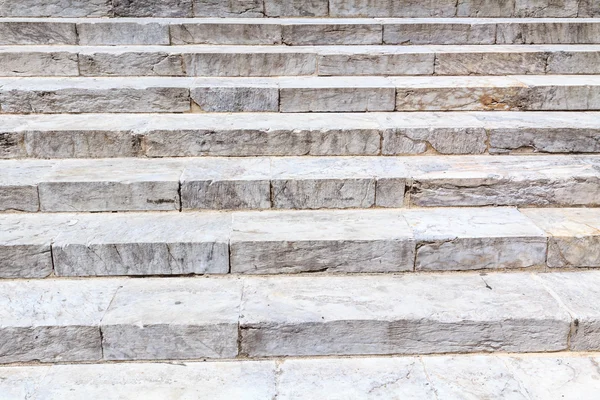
{"x": 52, "y": 323}
{"x": 562, "y": 92}
{"x": 176, "y": 319}
{"x": 545, "y": 140}
{"x": 111, "y": 185}
{"x": 442, "y": 140}
{"x": 485, "y": 8}
{"x": 406, "y": 314}
{"x": 256, "y": 63}
{"x": 463, "y": 239}
{"x": 131, "y": 64}
{"x": 242, "y": 33}
{"x": 546, "y": 8}
{"x": 55, "y": 8}
{"x": 122, "y": 33}
{"x": 149, "y": 8}
{"x": 323, "y": 33}
{"x": 392, "y": 8}
{"x": 37, "y": 32}
{"x": 400, "y": 32}
{"x": 574, "y": 236}
{"x": 296, "y": 8}
{"x": 38, "y": 64}
{"x": 589, "y": 8}
{"x": 226, "y": 184}
{"x": 236, "y": 99}
{"x": 220, "y": 8}
{"x": 19, "y": 184}
{"x": 572, "y": 62}
{"x": 547, "y": 32}
{"x": 12, "y": 145}
{"x": 489, "y": 63}
{"x": 328, "y": 241}
{"x": 137, "y": 244}
{"x": 372, "y": 62}
{"x": 575, "y": 292}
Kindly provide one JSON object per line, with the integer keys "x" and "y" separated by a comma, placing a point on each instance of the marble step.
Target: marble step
{"x": 299, "y": 94}
{"x": 538, "y": 376}
{"x": 314, "y": 134}
{"x": 168, "y": 184}
{"x": 284, "y": 242}
{"x": 250, "y": 61}
{"x": 295, "y": 8}
{"x": 293, "y": 32}
{"x": 60, "y": 320}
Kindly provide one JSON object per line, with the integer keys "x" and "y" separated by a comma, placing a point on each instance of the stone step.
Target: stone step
{"x": 249, "y": 61}
{"x": 277, "y": 242}
{"x": 315, "y": 134}
{"x": 537, "y": 376}
{"x": 299, "y": 94}
{"x": 58, "y": 320}
{"x": 129, "y": 184}
{"x": 295, "y": 8}
{"x": 306, "y": 31}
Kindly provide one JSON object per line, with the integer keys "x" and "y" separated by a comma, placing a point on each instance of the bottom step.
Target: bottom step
{"x": 536, "y": 376}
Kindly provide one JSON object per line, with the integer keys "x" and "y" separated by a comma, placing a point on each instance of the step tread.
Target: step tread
{"x": 126, "y": 319}
{"x": 533, "y": 376}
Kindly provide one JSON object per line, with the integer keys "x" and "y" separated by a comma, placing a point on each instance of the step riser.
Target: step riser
{"x": 121, "y": 319}
{"x": 294, "y": 8}
{"x": 303, "y": 63}
{"x": 366, "y": 32}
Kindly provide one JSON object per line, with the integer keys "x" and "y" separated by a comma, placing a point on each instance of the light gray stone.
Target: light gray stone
{"x": 574, "y": 291}
{"x": 546, "y": 8}
{"x": 131, "y": 64}
{"x": 465, "y": 239}
{"x": 574, "y": 235}
{"x": 327, "y": 33}
{"x": 488, "y": 63}
{"x": 149, "y": 8}
{"x": 38, "y": 64}
{"x": 222, "y": 183}
{"x": 579, "y": 32}
{"x": 561, "y": 92}
{"x": 219, "y": 8}
{"x": 236, "y": 99}
{"x": 573, "y": 62}
{"x": 175, "y": 319}
{"x": 296, "y": 8}
{"x": 544, "y": 140}
{"x": 12, "y": 145}
{"x": 486, "y": 8}
{"x": 121, "y": 33}
{"x": 53, "y": 321}
{"x": 408, "y": 314}
{"x": 376, "y": 63}
{"x": 321, "y": 241}
{"x": 37, "y": 32}
{"x": 141, "y": 244}
{"x": 242, "y": 33}
{"x": 56, "y": 8}
{"x": 255, "y": 63}
{"x": 19, "y": 184}
{"x": 392, "y": 8}
{"x": 111, "y": 185}
{"x": 441, "y": 140}
{"x": 589, "y": 8}
{"x": 400, "y": 32}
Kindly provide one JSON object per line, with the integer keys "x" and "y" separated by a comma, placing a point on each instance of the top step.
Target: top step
{"x": 300, "y": 8}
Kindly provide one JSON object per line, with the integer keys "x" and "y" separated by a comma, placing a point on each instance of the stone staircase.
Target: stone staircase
{"x": 333, "y": 199}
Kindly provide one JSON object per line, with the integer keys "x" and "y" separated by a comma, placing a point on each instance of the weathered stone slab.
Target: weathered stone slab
{"x": 219, "y": 8}
{"x": 19, "y": 184}
{"x": 562, "y": 92}
{"x": 296, "y": 8}
{"x": 130, "y": 64}
{"x": 463, "y": 239}
{"x": 329, "y": 241}
{"x": 149, "y": 8}
{"x": 507, "y": 62}
{"x": 375, "y": 61}
{"x": 574, "y": 62}
{"x": 589, "y": 8}
{"x": 56, "y": 8}
{"x": 405, "y": 32}
{"x": 402, "y": 141}
{"x": 328, "y": 33}
{"x": 38, "y": 64}
{"x": 56, "y": 322}
{"x": 575, "y": 291}
{"x": 111, "y": 185}
{"x": 392, "y": 8}
{"x": 546, "y": 8}
{"x": 175, "y": 319}
{"x": 408, "y": 314}
{"x": 37, "y": 32}
{"x": 122, "y": 33}
{"x": 485, "y": 8}
{"x": 249, "y": 98}
{"x": 571, "y": 32}
{"x": 218, "y": 32}
{"x": 142, "y": 244}
{"x": 222, "y": 183}
{"x": 574, "y": 236}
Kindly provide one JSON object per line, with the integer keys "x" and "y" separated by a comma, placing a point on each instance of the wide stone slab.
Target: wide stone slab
{"x": 400, "y": 314}
{"x": 328, "y": 241}
{"x": 19, "y": 184}
{"x": 173, "y": 319}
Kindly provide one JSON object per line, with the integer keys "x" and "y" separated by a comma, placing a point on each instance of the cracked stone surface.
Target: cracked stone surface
{"x": 392, "y": 8}
{"x": 55, "y": 8}
{"x": 236, "y": 9}
{"x": 122, "y": 33}
{"x": 242, "y": 33}
{"x": 148, "y": 8}
{"x": 445, "y": 33}
{"x": 560, "y": 33}
{"x": 131, "y": 64}
{"x": 328, "y": 33}
{"x": 37, "y": 33}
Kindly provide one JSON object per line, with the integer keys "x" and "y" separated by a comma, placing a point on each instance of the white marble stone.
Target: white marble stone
{"x": 19, "y": 183}
{"x": 243, "y": 32}
{"x": 178, "y": 318}
{"x": 37, "y": 32}
{"x": 160, "y": 63}
{"x": 409, "y": 314}
{"x": 122, "y": 32}
{"x": 566, "y": 31}
{"x": 331, "y": 32}
{"x": 330, "y": 241}
{"x": 38, "y": 64}
{"x": 432, "y": 31}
